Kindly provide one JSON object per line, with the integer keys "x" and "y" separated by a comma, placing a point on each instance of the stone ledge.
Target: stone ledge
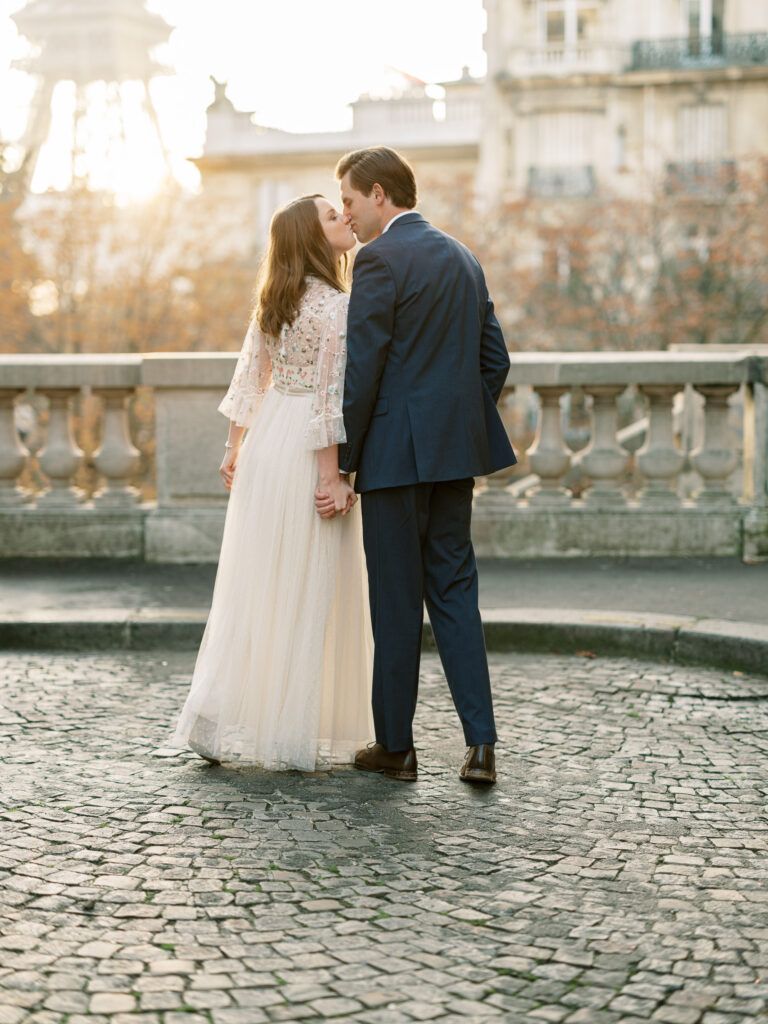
{"x": 526, "y": 531}
{"x": 84, "y": 531}
{"x": 192, "y": 533}
{"x": 734, "y": 646}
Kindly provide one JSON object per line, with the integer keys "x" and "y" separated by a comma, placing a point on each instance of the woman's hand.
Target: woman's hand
{"x": 227, "y": 467}
{"x": 334, "y": 496}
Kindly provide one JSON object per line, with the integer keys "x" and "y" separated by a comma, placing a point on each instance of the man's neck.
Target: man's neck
{"x": 392, "y": 212}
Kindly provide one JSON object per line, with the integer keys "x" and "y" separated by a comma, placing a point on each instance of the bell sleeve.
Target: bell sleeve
{"x": 251, "y": 379}
{"x": 326, "y": 427}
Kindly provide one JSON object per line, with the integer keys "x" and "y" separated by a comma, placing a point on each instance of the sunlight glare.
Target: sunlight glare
{"x": 297, "y": 65}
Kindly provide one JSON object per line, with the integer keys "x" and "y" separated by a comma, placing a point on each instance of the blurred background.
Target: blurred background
{"x": 605, "y": 159}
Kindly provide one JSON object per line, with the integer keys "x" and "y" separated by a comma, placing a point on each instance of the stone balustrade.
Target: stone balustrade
{"x": 605, "y": 464}
{"x": 566, "y": 58}
{"x": 702, "y": 492}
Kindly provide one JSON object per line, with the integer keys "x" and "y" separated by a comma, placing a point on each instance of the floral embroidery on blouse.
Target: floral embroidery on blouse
{"x": 310, "y": 355}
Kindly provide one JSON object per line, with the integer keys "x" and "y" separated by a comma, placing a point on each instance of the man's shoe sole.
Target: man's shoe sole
{"x": 391, "y": 773}
{"x": 486, "y": 780}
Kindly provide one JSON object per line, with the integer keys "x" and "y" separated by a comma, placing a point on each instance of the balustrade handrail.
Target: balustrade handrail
{"x": 210, "y": 368}
{"x": 572, "y": 369}
{"x": 121, "y": 370}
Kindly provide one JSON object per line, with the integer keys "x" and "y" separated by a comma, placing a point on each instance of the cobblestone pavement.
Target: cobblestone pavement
{"x": 615, "y": 874}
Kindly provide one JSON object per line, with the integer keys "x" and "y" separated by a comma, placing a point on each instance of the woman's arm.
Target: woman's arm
{"x": 234, "y": 435}
{"x": 332, "y": 484}
{"x": 232, "y": 449}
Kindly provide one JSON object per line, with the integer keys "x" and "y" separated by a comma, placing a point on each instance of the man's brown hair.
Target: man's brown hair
{"x": 379, "y": 165}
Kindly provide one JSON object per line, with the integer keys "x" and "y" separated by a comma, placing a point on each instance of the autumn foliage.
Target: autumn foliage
{"x": 98, "y": 277}
{"x": 617, "y": 273}
{"x": 80, "y": 273}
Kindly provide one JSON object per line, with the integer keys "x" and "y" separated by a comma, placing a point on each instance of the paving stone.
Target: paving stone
{"x": 615, "y": 874}
{"x": 111, "y": 1002}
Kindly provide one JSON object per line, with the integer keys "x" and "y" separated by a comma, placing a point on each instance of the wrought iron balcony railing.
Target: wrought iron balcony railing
{"x": 701, "y": 178}
{"x": 561, "y": 182}
{"x": 739, "y": 50}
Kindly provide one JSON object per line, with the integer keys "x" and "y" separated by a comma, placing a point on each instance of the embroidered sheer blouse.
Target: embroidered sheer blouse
{"x": 308, "y": 357}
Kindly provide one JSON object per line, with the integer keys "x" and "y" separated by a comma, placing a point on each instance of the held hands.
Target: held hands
{"x": 227, "y": 467}
{"x": 332, "y": 497}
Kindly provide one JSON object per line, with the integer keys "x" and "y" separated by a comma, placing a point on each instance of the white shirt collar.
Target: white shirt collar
{"x": 396, "y": 217}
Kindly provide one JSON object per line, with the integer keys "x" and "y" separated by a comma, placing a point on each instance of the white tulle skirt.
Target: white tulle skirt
{"x": 283, "y": 674}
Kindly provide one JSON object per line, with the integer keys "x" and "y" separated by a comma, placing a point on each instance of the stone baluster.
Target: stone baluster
{"x": 660, "y": 460}
{"x": 604, "y": 460}
{"x": 116, "y": 458}
{"x": 715, "y": 458}
{"x": 549, "y": 456}
{"x": 12, "y": 453}
{"x": 60, "y": 457}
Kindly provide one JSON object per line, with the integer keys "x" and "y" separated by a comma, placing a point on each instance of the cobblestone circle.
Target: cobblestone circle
{"x": 616, "y": 873}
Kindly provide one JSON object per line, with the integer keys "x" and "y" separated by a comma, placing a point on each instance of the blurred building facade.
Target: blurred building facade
{"x": 587, "y": 95}
{"x": 581, "y": 97}
{"x": 256, "y": 169}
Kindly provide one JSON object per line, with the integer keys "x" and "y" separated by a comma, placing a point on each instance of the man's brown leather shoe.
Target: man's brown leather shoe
{"x": 400, "y": 765}
{"x": 479, "y": 764}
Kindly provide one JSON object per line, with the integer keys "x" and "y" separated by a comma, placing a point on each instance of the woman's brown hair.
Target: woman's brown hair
{"x": 297, "y": 248}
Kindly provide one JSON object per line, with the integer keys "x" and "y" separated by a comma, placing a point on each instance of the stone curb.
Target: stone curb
{"x": 718, "y": 643}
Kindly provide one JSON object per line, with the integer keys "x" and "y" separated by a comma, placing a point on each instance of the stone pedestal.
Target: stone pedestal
{"x": 188, "y": 523}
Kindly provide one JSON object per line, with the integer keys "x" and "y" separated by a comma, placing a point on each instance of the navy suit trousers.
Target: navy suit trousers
{"x": 419, "y": 549}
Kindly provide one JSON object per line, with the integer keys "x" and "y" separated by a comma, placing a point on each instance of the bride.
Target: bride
{"x": 282, "y": 677}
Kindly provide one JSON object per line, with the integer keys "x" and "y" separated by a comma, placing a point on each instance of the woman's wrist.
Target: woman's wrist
{"x": 329, "y": 479}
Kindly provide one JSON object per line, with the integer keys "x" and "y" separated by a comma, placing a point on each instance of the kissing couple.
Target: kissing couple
{"x": 388, "y": 392}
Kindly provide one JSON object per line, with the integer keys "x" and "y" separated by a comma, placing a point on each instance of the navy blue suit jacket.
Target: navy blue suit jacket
{"x": 426, "y": 363}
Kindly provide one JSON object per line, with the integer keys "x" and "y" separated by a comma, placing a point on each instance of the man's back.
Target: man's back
{"x": 426, "y": 363}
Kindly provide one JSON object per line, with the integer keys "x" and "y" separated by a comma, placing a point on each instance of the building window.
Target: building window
{"x": 555, "y": 26}
{"x": 702, "y": 133}
{"x": 566, "y": 22}
{"x": 704, "y": 26}
{"x": 702, "y": 167}
{"x": 561, "y": 145}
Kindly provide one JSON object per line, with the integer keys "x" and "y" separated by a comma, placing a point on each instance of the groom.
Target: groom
{"x": 426, "y": 363}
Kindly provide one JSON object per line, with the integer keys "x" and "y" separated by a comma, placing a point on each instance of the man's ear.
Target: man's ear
{"x": 378, "y": 193}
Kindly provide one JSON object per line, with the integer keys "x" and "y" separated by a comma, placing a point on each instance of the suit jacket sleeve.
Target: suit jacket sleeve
{"x": 370, "y": 326}
{"x": 494, "y": 357}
